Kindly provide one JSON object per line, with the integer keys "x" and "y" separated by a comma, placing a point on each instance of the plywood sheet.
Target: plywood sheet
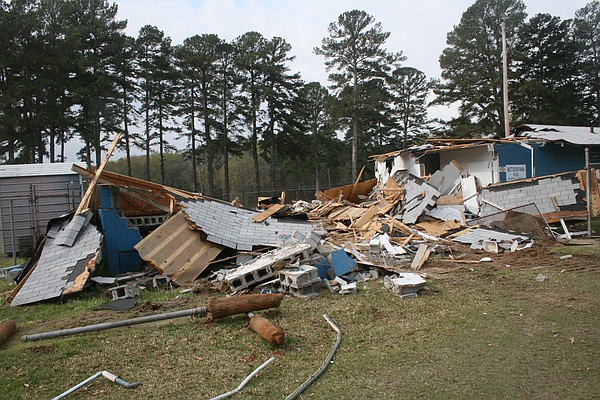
{"x": 352, "y": 192}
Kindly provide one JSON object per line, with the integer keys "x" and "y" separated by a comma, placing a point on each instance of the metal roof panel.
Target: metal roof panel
{"x": 21, "y": 170}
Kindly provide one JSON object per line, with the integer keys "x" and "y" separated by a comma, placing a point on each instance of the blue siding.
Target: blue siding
{"x": 512, "y": 154}
{"x": 119, "y": 237}
{"x": 552, "y": 158}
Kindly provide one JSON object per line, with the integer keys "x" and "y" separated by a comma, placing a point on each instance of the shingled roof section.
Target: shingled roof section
{"x": 58, "y": 265}
{"x": 232, "y": 226}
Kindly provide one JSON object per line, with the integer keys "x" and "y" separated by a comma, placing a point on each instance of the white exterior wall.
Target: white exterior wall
{"x": 404, "y": 161}
{"x": 476, "y": 161}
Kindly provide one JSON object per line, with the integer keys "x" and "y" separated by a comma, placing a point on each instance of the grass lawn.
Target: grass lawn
{"x": 477, "y": 333}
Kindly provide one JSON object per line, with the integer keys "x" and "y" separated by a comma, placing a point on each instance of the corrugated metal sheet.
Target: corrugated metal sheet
{"x": 33, "y": 201}
{"x": 21, "y": 170}
{"x": 580, "y": 135}
{"x": 177, "y": 250}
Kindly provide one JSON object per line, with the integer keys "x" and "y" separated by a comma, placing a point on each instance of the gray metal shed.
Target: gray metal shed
{"x": 31, "y": 195}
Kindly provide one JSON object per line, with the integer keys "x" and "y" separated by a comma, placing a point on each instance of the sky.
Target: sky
{"x": 418, "y": 28}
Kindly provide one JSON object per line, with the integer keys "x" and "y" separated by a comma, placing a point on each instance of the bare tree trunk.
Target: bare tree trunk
{"x": 160, "y": 139}
{"x": 225, "y": 145}
{"x": 126, "y": 131}
{"x": 208, "y": 141}
{"x": 255, "y": 144}
{"x": 354, "y": 128}
{"x": 193, "y": 127}
{"x": 147, "y": 138}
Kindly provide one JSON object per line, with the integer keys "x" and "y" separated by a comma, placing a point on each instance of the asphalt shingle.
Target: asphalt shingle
{"x": 233, "y": 227}
{"x": 51, "y": 275}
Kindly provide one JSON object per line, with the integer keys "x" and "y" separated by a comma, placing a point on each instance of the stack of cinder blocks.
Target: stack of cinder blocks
{"x": 245, "y": 277}
{"x": 301, "y": 281}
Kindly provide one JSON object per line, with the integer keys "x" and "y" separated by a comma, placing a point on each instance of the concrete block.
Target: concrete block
{"x": 307, "y": 291}
{"x": 128, "y": 291}
{"x": 404, "y": 283}
{"x": 297, "y": 277}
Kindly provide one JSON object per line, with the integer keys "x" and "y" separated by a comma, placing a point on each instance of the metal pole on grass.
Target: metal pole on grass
{"x": 588, "y": 191}
{"x": 12, "y": 233}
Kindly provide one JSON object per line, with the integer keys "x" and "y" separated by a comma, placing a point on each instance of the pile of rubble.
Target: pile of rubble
{"x": 349, "y": 234}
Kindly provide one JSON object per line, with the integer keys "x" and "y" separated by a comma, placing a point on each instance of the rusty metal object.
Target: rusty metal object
{"x": 7, "y": 329}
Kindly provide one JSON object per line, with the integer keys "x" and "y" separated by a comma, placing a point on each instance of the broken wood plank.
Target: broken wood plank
{"x": 400, "y": 226}
{"x": 407, "y": 239}
{"x": 366, "y": 217}
{"x": 555, "y": 203}
{"x": 493, "y": 205}
{"x": 82, "y": 278}
{"x": 438, "y": 228}
{"x": 421, "y": 257}
{"x": 85, "y": 201}
{"x": 273, "y": 209}
{"x": 350, "y": 192}
{"x": 450, "y": 200}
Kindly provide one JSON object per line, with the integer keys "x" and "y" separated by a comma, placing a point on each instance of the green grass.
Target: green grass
{"x": 474, "y": 334}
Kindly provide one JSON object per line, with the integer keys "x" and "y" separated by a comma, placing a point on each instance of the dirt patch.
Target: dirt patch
{"x": 43, "y": 349}
{"x": 539, "y": 256}
{"x": 165, "y": 305}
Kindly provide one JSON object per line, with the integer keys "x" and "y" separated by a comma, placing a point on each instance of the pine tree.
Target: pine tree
{"x": 472, "y": 63}
{"x": 354, "y": 50}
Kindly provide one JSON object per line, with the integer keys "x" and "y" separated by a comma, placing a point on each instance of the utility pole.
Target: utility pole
{"x": 505, "y": 83}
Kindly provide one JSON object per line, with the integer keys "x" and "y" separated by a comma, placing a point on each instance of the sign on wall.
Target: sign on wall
{"x": 515, "y": 172}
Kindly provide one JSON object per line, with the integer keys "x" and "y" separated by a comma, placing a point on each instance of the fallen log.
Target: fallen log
{"x": 266, "y": 329}
{"x": 220, "y": 307}
{"x": 7, "y": 328}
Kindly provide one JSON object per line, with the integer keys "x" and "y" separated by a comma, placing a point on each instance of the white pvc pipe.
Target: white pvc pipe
{"x": 107, "y": 375}
{"x": 325, "y": 364}
{"x": 237, "y": 389}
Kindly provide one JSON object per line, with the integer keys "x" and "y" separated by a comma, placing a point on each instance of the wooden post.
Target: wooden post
{"x": 505, "y": 83}
{"x": 588, "y": 192}
{"x": 85, "y": 201}
{"x": 220, "y": 307}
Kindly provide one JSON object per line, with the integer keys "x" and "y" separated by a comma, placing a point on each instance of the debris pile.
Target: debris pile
{"x": 347, "y": 235}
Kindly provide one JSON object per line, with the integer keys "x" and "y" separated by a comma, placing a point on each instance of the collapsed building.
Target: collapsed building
{"x": 486, "y": 194}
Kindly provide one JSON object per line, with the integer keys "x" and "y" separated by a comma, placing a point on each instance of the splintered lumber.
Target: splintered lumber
{"x": 351, "y": 192}
{"x": 266, "y": 329}
{"x": 92, "y": 187}
{"x": 220, "y": 307}
{"x": 365, "y": 218}
{"x": 421, "y": 257}
{"x": 7, "y": 328}
{"x": 273, "y": 209}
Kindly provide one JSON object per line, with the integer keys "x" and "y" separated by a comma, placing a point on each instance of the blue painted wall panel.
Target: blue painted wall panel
{"x": 512, "y": 154}
{"x": 119, "y": 237}
{"x": 552, "y": 158}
